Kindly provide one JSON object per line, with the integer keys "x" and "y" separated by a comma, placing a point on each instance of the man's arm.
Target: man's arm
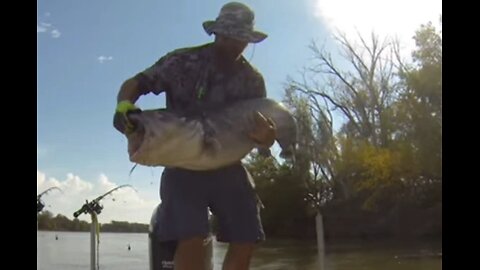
{"x": 150, "y": 80}
{"x": 127, "y": 95}
{"x": 129, "y": 91}
{"x": 264, "y": 132}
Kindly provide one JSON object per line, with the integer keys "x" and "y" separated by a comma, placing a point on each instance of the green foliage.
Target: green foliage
{"x": 123, "y": 226}
{"x": 282, "y": 194}
{"x": 385, "y": 161}
{"x": 47, "y": 222}
{"x": 419, "y": 116}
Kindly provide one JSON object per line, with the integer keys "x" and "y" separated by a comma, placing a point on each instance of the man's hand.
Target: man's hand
{"x": 125, "y": 106}
{"x": 120, "y": 119}
{"x": 264, "y": 132}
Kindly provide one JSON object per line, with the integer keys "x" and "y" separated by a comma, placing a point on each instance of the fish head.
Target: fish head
{"x": 152, "y": 127}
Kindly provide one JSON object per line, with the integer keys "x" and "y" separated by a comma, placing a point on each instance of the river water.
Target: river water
{"x": 71, "y": 250}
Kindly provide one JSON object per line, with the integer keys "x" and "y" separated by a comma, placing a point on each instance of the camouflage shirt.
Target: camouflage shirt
{"x": 192, "y": 82}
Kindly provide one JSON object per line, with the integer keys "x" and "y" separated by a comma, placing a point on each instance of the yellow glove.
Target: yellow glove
{"x": 120, "y": 119}
{"x": 125, "y": 106}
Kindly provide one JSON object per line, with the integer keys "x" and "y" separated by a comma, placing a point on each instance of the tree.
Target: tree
{"x": 389, "y": 145}
{"x": 419, "y": 114}
{"x": 282, "y": 194}
{"x": 316, "y": 150}
{"x": 382, "y": 166}
{"x": 363, "y": 95}
{"x": 43, "y": 220}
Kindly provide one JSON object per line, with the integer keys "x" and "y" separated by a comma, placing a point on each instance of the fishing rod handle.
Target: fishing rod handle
{"x": 80, "y": 211}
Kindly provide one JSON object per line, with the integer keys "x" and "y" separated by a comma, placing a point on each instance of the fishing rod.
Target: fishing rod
{"x": 94, "y": 208}
{"x": 40, "y": 204}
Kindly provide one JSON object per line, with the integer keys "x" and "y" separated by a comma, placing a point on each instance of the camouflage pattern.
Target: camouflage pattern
{"x": 236, "y": 21}
{"x": 192, "y": 81}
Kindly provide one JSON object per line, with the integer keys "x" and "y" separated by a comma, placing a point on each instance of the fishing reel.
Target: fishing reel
{"x": 40, "y": 206}
{"x": 94, "y": 206}
{"x": 90, "y": 208}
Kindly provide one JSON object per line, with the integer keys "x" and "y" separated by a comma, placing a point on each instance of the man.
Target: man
{"x": 194, "y": 79}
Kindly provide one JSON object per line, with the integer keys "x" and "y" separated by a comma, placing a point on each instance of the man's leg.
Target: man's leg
{"x": 184, "y": 217}
{"x": 236, "y": 206}
{"x": 238, "y": 256}
{"x": 190, "y": 254}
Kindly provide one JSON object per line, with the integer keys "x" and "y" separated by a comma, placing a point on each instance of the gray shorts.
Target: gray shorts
{"x": 227, "y": 192}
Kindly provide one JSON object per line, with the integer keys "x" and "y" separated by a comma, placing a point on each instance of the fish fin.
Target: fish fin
{"x": 132, "y": 169}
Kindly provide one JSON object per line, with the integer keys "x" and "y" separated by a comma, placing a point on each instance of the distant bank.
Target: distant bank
{"x": 48, "y": 222}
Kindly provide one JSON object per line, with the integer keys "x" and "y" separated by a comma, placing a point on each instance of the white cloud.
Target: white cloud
{"x": 41, "y": 29}
{"x": 55, "y": 33}
{"x": 44, "y": 27}
{"x": 103, "y": 59}
{"x": 40, "y": 180}
{"x": 385, "y": 17}
{"x": 122, "y": 205}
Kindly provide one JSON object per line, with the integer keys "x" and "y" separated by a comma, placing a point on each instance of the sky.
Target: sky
{"x": 87, "y": 49}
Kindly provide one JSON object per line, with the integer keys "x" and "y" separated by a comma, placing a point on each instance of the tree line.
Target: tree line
{"x": 376, "y": 173}
{"x": 48, "y": 222}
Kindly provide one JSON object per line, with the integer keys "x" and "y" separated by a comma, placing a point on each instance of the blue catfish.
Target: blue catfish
{"x": 215, "y": 139}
